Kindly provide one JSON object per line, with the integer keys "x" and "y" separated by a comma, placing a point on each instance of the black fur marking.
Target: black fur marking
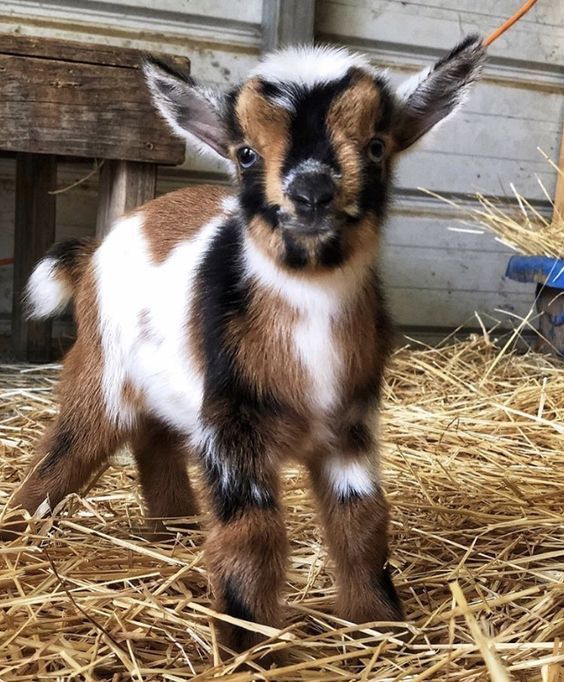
{"x": 270, "y": 91}
{"x": 349, "y": 497}
{"x": 224, "y": 295}
{"x": 331, "y": 252}
{"x": 232, "y": 499}
{"x": 232, "y": 406}
{"x": 309, "y": 136}
{"x": 229, "y": 116}
{"x": 233, "y": 470}
{"x": 471, "y": 39}
{"x": 63, "y": 442}
{"x": 385, "y": 581}
{"x": 234, "y": 604}
{"x": 252, "y": 197}
{"x": 374, "y": 194}
{"x": 69, "y": 252}
{"x": 386, "y": 106}
{"x": 295, "y": 256}
{"x": 270, "y": 214}
{"x": 357, "y": 438}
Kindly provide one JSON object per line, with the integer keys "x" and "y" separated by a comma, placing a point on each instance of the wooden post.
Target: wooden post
{"x": 36, "y": 176}
{"x": 559, "y": 192}
{"x": 286, "y": 22}
{"x": 123, "y": 185}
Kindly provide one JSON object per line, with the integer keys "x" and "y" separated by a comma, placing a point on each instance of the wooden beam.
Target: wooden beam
{"x": 559, "y": 192}
{"x": 123, "y": 185}
{"x": 75, "y": 100}
{"x": 36, "y": 176}
{"x": 86, "y": 53}
{"x": 287, "y": 22}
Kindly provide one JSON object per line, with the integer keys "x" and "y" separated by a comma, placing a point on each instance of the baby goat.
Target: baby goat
{"x": 245, "y": 329}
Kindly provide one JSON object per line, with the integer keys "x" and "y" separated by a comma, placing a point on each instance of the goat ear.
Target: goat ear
{"x": 191, "y": 110}
{"x": 437, "y": 92}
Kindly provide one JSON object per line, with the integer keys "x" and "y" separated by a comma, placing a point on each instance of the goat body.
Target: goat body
{"x": 247, "y": 329}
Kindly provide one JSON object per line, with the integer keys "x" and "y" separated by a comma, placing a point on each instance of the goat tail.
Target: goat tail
{"x": 55, "y": 278}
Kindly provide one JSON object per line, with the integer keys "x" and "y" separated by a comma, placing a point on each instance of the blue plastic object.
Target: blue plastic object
{"x": 540, "y": 269}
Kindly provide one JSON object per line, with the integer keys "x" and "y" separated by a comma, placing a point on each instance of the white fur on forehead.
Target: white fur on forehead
{"x": 308, "y": 65}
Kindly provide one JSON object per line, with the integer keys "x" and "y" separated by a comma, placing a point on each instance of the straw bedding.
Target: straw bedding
{"x": 473, "y": 465}
{"x": 521, "y": 227}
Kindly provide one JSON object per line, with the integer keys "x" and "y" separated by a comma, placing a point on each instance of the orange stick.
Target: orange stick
{"x": 499, "y": 31}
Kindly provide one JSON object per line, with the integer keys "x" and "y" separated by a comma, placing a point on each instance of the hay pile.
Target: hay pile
{"x": 522, "y": 227}
{"x": 474, "y": 469}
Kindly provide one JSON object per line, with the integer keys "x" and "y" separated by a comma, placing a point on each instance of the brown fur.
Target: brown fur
{"x": 269, "y": 241}
{"x": 357, "y": 535}
{"x": 82, "y": 438}
{"x": 264, "y": 347}
{"x": 351, "y": 126}
{"x": 160, "y": 455}
{"x": 265, "y": 127}
{"x": 179, "y": 215}
{"x": 247, "y": 557}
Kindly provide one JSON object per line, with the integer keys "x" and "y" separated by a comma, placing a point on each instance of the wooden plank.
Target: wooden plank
{"x": 74, "y": 109}
{"x": 559, "y": 192}
{"x": 123, "y": 185}
{"x": 476, "y": 271}
{"x": 286, "y": 22}
{"x": 249, "y": 11}
{"x": 74, "y": 51}
{"x": 36, "y": 176}
{"x": 450, "y": 309}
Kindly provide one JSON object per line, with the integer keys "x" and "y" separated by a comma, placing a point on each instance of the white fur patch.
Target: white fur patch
{"x": 204, "y": 439}
{"x": 407, "y": 87}
{"x": 350, "y": 477}
{"x": 230, "y": 204}
{"x": 307, "y": 166}
{"x": 313, "y": 338}
{"x": 309, "y": 65}
{"x": 144, "y": 309}
{"x": 341, "y": 283}
{"x": 46, "y": 293}
{"x": 320, "y": 304}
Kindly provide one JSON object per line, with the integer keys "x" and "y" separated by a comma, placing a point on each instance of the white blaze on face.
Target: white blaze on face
{"x": 144, "y": 309}
{"x": 308, "y": 65}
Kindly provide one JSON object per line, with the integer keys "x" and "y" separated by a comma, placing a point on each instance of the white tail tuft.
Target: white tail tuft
{"x": 47, "y": 292}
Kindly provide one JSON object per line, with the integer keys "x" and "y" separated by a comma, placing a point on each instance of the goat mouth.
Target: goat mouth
{"x": 316, "y": 226}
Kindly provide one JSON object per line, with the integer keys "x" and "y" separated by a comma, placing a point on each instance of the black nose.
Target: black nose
{"x": 312, "y": 192}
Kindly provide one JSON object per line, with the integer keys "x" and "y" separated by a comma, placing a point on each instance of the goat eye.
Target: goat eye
{"x": 247, "y": 157}
{"x": 376, "y": 149}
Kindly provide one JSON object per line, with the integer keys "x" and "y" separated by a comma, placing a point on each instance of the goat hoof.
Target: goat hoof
{"x": 13, "y": 528}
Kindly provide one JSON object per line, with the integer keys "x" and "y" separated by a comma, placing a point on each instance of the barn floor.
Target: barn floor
{"x": 474, "y": 470}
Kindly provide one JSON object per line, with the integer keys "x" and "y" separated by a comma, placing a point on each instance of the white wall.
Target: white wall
{"x": 435, "y": 277}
